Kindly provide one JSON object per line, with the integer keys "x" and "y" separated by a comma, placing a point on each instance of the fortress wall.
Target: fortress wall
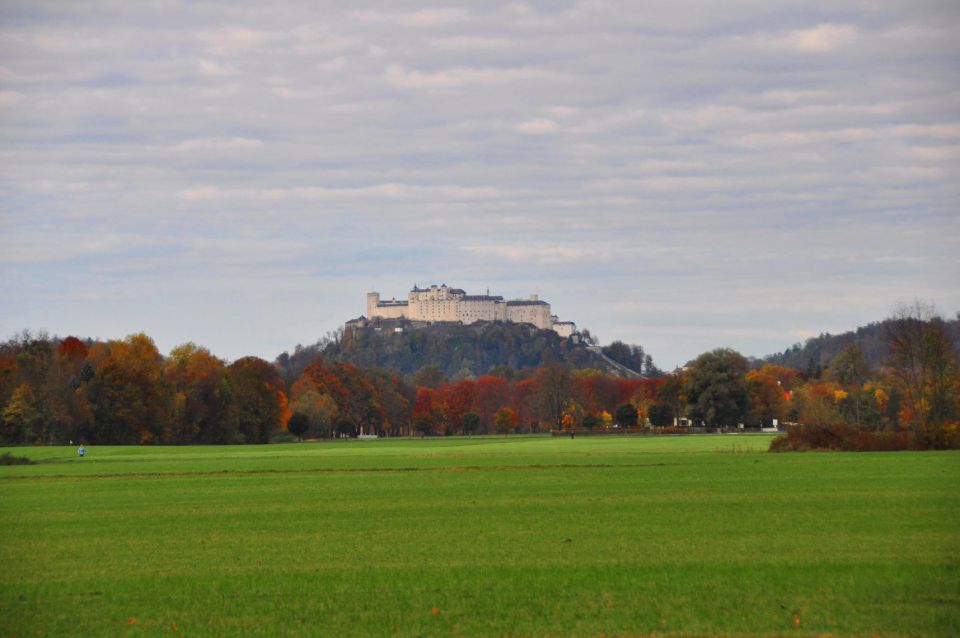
{"x": 445, "y": 304}
{"x": 434, "y": 310}
{"x": 389, "y": 312}
{"x": 472, "y": 310}
{"x": 538, "y": 314}
{"x": 564, "y": 328}
{"x": 437, "y": 303}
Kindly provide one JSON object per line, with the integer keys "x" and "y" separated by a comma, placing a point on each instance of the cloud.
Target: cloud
{"x": 232, "y": 40}
{"x": 694, "y": 157}
{"x": 806, "y": 138}
{"x": 217, "y": 144}
{"x": 376, "y": 191}
{"x": 405, "y": 78}
{"x": 62, "y": 247}
{"x": 820, "y": 39}
{"x": 211, "y": 68}
{"x": 473, "y": 42}
{"x": 425, "y": 18}
{"x": 541, "y": 254}
{"x": 792, "y": 96}
{"x": 935, "y": 153}
{"x": 537, "y": 126}
{"x": 335, "y": 64}
{"x": 9, "y": 98}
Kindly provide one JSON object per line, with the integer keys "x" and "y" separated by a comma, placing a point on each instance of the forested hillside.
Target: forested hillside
{"x": 458, "y": 351}
{"x": 816, "y": 353}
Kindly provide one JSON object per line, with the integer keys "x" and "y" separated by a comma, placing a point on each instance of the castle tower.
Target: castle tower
{"x": 373, "y": 298}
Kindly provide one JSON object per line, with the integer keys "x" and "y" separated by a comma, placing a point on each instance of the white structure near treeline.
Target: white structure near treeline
{"x": 442, "y": 303}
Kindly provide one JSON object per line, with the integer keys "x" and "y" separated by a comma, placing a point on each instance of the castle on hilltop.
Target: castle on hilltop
{"x": 445, "y": 304}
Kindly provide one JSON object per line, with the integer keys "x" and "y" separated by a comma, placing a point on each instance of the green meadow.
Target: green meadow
{"x": 486, "y": 536}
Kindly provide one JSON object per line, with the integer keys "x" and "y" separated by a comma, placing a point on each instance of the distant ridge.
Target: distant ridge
{"x": 816, "y": 353}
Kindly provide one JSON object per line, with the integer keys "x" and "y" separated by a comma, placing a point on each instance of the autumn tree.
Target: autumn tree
{"x": 923, "y": 363}
{"x": 320, "y": 411}
{"x": 590, "y": 421}
{"x": 601, "y": 391}
{"x": 626, "y": 415}
{"x": 430, "y": 376}
{"x": 766, "y": 395}
{"x": 9, "y": 377}
{"x": 62, "y": 401}
{"x": 491, "y": 394}
{"x": 506, "y": 372}
{"x": 815, "y": 403}
{"x": 259, "y": 404}
{"x": 504, "y": 419}
{"x": 470, "y": 423}
{"x": 21, "y": 417}
{"x": 298, "y": 424}
{"x": 660, "y": 415}
{"x": 716, "y": 388}
{"x": 573, "y": 415}
{"x": 32, "y": 353}
{"x": 202, "y": 396}
{"x": 458, "y": 401}
{"x": 427, "y": 415}
{"x": 357, "y": 399}
{"x": 526, "y": 404}
{"x": 851, "y": 370}
{"x": 130, "y": 399}
{"x": 671, "y": 394}
{"x": 553, "y": 389}
{"x": 394, "y": 396}
{"x": 362, "y": 406}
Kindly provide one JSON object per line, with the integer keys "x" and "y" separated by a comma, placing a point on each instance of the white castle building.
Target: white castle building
{"x": 442, "y": 303}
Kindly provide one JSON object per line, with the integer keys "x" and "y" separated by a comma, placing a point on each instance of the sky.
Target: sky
{"x": 681, "y": 175}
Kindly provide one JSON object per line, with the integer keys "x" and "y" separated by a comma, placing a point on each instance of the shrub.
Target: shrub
{"x": 298, "y": 424}
{"x": 591, "y": 421}
{"x": 283, "y": 436}
{"x": 626, "y": 415}
{"x": 837, "y": 436}
{"x": 470, "y": 422}
{"x": 660, "y": 415}
{"x": 10, "y": 459}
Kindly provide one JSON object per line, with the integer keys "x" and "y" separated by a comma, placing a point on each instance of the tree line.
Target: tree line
{"x": 126, "y": 392}
{"x": 56, "y": 391}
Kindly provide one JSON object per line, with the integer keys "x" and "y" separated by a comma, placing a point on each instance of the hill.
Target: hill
{"x": 816, "y": 353}
{"x": 458, "y": 351}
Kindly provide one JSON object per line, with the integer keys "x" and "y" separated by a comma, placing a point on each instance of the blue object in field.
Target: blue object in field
{"x": 81, "y": 451}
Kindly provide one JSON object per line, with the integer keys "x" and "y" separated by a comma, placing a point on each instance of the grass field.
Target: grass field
{"x": 700, "y": 535}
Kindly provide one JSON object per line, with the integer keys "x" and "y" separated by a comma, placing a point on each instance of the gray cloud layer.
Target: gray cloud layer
{"x": 682, "y": 175}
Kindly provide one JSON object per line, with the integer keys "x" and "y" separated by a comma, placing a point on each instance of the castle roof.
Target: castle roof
{"x": 525, "y": 302}
{"x": 482, "y": 298}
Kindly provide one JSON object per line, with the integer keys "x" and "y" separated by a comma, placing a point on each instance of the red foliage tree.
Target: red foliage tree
{"x": 458, "y": 399}
{"x": 72, "y": 348}
{"x": 492, "y": 393}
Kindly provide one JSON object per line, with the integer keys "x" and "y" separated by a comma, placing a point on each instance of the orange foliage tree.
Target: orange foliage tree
{"x": 131, "y": 402}
{"x": 259, "y": 406}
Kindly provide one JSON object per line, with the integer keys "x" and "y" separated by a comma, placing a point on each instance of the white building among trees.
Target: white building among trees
{"x": 442, "y": 303}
